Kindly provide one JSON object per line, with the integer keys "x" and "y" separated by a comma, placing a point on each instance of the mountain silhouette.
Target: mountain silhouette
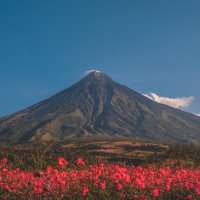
{"x": 97, "y": 106}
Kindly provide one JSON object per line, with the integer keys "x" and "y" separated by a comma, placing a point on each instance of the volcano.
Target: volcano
{"x": 97, "y": 106}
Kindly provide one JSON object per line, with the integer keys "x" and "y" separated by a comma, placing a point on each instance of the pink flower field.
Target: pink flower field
{"x": 101, "y": 181}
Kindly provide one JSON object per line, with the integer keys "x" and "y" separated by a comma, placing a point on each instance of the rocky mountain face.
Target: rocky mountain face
{"x": 97, "y": 106}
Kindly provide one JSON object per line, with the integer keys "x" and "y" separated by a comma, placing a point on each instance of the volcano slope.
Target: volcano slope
{"x": 97, "y": 106}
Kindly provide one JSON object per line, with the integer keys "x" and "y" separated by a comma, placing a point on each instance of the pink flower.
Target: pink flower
{"x": 197, "y": 191}
{"x": 80, "y": 162}
{"x": 119, "y": 186}
{"x": 85, "y": 190}
{"x": 102, "y": 185}
{"x": 155, "y": 192}
{"x": 4, "y": 160}
{"x": 189, "y": 197}
{"x": 38, "y": 190}
{"x": 167, "y": 187}
{"x": 62, "y": 162}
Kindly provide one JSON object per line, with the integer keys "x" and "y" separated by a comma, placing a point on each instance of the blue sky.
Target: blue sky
{"x": 150, "y": 46}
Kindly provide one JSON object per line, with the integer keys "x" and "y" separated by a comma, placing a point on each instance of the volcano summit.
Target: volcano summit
{"x": 97, "y": 106}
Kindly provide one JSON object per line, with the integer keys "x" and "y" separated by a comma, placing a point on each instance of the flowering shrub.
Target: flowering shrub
{"x": 80, "y": 162}
{"x": 62, "y": 162}
{"x": 102, "y": 181}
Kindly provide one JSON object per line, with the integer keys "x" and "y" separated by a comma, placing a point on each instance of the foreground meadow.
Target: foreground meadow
{"x": 75, "y": 175}
{"x": 103, "y": 181}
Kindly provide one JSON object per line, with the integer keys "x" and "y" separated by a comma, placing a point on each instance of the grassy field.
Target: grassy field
{"x": 112, "y": 151}
{"x": 114, "y": 169}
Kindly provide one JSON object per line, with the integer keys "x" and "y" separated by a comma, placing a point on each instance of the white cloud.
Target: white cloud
{"x": 179, "y": 102}
{"x": 198, "y": 115}
{"x": 90, "y": 71}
